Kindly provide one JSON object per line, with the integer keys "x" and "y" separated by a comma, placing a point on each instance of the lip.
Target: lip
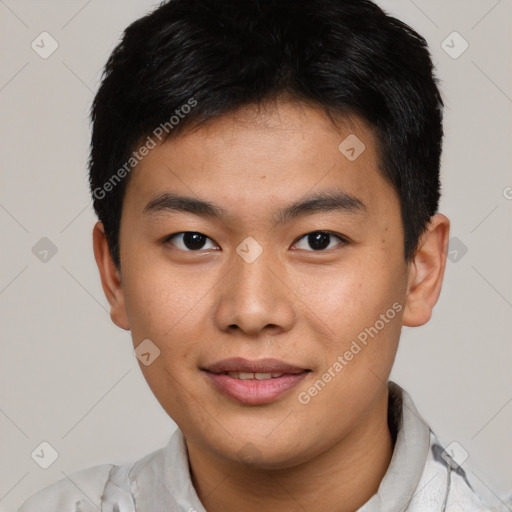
{"x": 253, "y": 391}
{"x": 239, "y": 364}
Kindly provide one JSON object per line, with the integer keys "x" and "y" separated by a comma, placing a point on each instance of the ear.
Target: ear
{"x": 110, "y": 277}
{"x": 426, "y": 272}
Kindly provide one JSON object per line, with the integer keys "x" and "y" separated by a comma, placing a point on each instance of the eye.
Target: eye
{"x": 320, "y": 240}
{"x": 189, "y": 241}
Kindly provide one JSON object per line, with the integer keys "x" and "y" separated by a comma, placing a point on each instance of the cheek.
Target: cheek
{"x": 164, "y": 306}
{"x": 172, "y": 307}
{"x": 359, "y": 319}
{"x": 351, "y": 297}
{"x": 159, "y": 299}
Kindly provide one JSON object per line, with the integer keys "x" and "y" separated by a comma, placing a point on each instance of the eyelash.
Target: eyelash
{"x": 343, "y": 240}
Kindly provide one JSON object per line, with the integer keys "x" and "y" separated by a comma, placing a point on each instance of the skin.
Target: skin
{"x": 293, "y": 303}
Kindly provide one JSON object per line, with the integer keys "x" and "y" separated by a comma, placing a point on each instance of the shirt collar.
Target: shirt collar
{"x": 409, "y": 455}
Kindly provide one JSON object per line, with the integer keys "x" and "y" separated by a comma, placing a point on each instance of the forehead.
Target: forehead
{"x": 258, "y": 157}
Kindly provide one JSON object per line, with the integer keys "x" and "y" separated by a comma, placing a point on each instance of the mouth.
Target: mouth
{"x": 256, "y": 375}
{"x": 254, "y": 382}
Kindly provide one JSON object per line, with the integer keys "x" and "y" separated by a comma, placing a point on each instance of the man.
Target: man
{"x": 266, "y": 177}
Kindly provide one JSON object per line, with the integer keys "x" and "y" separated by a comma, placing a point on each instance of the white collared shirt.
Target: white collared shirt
{"x": 421, "y": 477}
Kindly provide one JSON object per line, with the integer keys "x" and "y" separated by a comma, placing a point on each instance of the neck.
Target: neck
{"x": 341, "y": 479}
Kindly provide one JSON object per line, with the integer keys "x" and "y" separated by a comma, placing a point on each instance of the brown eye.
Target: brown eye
{"x": 189, "y": 241}
{"x": 320, "y": 240}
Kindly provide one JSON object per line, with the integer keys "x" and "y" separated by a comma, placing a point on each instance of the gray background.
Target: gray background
{"x": 68, "y": 375}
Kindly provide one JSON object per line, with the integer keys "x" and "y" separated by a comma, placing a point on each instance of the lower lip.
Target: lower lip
{"x": 255, "y": 391}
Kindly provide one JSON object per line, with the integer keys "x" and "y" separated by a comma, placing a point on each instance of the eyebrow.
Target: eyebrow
{"x": 322, "y": 202}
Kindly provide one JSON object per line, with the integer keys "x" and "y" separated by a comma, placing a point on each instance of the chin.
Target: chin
{"x": 264, "y": 453}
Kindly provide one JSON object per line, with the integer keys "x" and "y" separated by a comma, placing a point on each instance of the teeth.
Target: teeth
{"x": 257, "y": 376}
{"x": 263, "y": 376}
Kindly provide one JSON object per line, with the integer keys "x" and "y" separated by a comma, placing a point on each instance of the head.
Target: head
{"x": 266, "y": 177}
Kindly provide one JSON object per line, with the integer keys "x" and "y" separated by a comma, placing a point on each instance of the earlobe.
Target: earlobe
{"x": 426, "y": 272}
{"x": 110, "y": 277}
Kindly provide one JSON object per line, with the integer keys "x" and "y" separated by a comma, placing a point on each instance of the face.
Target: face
{"x": 265, "y": 262}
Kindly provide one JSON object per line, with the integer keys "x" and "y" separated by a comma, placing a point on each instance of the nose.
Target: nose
{"x": 255, "y": 296}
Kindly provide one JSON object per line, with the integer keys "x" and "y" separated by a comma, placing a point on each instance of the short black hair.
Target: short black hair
{"x": 189, "y": 61}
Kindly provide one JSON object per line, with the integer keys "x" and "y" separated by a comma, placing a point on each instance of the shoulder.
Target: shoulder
{"x": 103, "y": 487}
{"x": 462, "y": 496}
{"x": 82, "y": 490}
{"x": 444, "y": 477}
{"x": 118, "y": 488}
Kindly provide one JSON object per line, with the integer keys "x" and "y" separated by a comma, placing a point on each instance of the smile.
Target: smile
{"x": 257, "y": 376}
{"x": 253, "y": 382}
